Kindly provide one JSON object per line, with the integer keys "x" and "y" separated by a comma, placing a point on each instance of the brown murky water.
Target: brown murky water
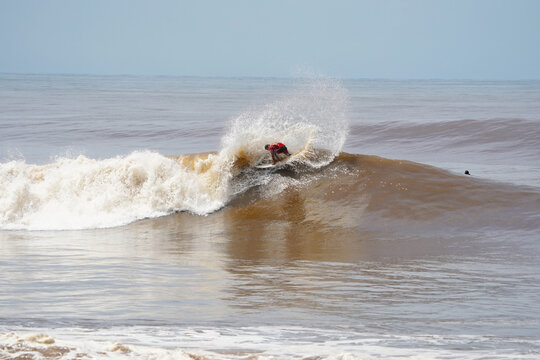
{"x": 357, "y": 256}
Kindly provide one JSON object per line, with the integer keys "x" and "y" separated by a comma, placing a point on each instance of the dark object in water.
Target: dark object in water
{"x": 467, "y": 172}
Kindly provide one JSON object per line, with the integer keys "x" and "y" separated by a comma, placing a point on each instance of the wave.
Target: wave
{"x": 320, "y": 189}
{"x": 370, "y": 193}
{"x": 513, "y": 136}
{"x": 351, "y": 191}
{"x": 82, "y": 193}
{"x": 87, "y": 193}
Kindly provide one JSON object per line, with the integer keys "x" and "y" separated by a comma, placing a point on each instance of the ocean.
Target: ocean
{"x": 134, "y": 223}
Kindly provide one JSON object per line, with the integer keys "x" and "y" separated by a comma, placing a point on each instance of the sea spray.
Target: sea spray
{"x": 312, "y": 120}
{"x": 313, "y": 116}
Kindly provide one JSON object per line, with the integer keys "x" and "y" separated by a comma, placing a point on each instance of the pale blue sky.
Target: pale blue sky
{"x": 454, "y": 39}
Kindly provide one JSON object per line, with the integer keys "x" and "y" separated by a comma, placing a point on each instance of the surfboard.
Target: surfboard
{"x": 269, "y": 165}
{"x": 266, "y": 166}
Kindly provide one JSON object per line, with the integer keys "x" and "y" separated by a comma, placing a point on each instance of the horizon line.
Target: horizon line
{"x": 270, "y": 77}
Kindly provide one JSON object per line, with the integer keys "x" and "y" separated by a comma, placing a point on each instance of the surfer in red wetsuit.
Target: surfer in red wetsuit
{"x": 276, "y": 148}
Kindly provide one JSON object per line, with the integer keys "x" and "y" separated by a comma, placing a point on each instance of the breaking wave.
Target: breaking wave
{"x": 320, "y": 188}
{"x": 82, "y": 193}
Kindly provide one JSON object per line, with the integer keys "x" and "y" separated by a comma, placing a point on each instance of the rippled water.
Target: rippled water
{"x": 335, "y": 262}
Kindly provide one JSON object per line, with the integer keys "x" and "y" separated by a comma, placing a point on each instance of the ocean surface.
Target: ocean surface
{"x": 134, "y": 223}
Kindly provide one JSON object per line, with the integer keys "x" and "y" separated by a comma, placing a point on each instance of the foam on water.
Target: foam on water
{"x": 82, "y": 193}
{"x": 87, "y": 193}
{"x": 254, "y": 343}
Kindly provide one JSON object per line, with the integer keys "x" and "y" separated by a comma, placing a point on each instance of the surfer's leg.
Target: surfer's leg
{"x": 274, "y": 157}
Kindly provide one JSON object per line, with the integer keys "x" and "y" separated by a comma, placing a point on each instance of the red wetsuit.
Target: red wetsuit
{"x": 278, "y": 148}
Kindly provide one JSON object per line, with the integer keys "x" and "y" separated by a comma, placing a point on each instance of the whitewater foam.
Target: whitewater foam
{"x": 88, "y": 193}
{"x": 251, "y": 342}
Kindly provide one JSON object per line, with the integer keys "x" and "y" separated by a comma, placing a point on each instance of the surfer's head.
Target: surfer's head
{"x": 266, "y": 147}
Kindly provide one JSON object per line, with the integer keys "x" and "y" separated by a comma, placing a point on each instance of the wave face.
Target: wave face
{"x": 361, "y": 196}
{"x": 82, "y": 193}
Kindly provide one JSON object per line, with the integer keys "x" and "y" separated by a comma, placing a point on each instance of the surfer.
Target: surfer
{"x": 275, "y": 149}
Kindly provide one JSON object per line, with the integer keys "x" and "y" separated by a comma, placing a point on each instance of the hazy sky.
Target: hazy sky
{"x": 454, "y": 39}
